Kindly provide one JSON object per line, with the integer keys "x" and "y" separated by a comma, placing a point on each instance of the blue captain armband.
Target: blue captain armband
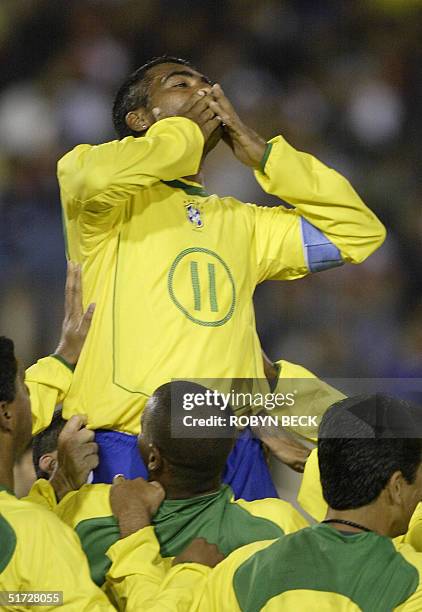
{"x": 320, "y": 252}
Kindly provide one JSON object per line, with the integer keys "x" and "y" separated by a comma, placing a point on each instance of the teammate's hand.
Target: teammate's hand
{"x": 286, "y": 449}
{"x": 200, "y": 551}
{"x": 76, "y": 323}
{"x": 247, "y": 145}
{"x": 134, "y": 503}
{"x": 77, "y": 456}
{"x": 197, "y": 108}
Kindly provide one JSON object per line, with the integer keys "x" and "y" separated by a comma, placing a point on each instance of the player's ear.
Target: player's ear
{"x": 154, "y": 459}
{"x": 6, "y": 417}
{"x": 48, "y": 462}
{"x": 138, "y": 120}
{"x": 394, "y": 488}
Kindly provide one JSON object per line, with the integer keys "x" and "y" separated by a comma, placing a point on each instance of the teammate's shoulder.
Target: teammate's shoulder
{"x": 411, "y": 555}
{"x": 277, "y": 510}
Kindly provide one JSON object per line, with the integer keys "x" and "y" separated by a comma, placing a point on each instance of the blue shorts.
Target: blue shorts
{"x": 246, "y": 469}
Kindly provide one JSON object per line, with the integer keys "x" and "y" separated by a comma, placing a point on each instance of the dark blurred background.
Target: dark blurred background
{"x": 339, "y": 79}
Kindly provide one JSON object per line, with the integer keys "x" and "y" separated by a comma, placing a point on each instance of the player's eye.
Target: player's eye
{"x": 181, "y": 84}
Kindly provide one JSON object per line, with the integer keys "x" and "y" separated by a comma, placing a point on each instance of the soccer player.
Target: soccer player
{"x": 371, "y": 481}
{"x": 190, "y": 471}
{"x": 173, "y": 269}
{"x": 38, "y": 552}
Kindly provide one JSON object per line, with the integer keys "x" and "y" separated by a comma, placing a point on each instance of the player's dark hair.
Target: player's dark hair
{"x": 46, "y": 442}
{"x": 198, "y": 460}
{"x": 8, "y": 370}
{"x": 133, "y": 93}
{"x": 362, "y": 441}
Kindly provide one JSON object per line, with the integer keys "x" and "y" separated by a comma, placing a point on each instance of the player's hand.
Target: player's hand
{"x": 76, "y": 323}
{"x": 247, "y": 145}
{"x": 200, "y": 551}
{"x": 286, "y": 449}
{"x": 197, "y": 109}
{"x": 77, "y": 456}
{"x": 134, "y": 503}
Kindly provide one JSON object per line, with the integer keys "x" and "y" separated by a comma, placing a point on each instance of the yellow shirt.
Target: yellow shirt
{"x": 173, "y": 270}
{"x": 48, "y": 381}
{"x": 39, "y": 553}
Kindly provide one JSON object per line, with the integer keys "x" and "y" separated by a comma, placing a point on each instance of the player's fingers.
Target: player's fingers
{"x": 91, "y": 462}
{"x": 77, "y": 307}
{"x": 87, "y": 320}
{"x": 159, "y": 487}
{"x": 219, "y": 111}
{"x": 69, "y": 287}
{"x": 157, "y": 113}
{"x": 211, "y": 125}
{"x": 74, "y": 424}
{"x": 118, "y": 479}
{"x": 85, "y": 435}
{"x": 220, "y": 97}
{"x": 89, "y": 448}
{"x": 196, "y": 99}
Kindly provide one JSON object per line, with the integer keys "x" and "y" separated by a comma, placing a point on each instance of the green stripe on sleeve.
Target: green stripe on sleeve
{"x": 62, "y": 360}
{"x": 265, "y": 157}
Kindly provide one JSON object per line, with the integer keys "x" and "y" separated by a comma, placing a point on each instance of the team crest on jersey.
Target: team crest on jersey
{"x": 194, "y": 215}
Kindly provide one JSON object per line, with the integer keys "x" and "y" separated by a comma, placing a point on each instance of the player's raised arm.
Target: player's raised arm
{"x": 163, "y": 147}
{"x": 49, "y": 379}
{"x": 103, "y": 175}
{"x": 329, "y": 220}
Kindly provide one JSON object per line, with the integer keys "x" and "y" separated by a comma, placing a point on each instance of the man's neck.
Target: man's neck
{"x": 6, "y": 475}
{"x": 176, "y": 490}
{"x": 371, "y": 517}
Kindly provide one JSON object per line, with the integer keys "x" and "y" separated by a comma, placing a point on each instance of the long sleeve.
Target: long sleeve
{"x": 102, "y": 176}
{"x": 139, "y": 579}
{"x": 48, "y": 381}
{"x": 137, "y": 570}
{"x": 327, "y": 226}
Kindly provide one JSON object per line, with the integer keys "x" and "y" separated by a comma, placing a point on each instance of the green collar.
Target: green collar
{"x": 195, "y": 190}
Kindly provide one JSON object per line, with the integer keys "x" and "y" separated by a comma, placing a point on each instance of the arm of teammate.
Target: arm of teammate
{"x": 101, "y": 177}
{"x": 137, "y": 569}
{"x": 49, "y": 379}
{"x": 329, "y": 223}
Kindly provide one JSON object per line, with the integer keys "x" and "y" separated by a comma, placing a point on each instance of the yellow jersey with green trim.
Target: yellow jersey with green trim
{"x": 172, "y": 269}
{"x": 317, "y": 569}
{"x": 217, "y": 517}
{"x": 39, "y": 553}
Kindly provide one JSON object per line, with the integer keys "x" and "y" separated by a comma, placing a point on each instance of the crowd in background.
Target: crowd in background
{"x": 341, "y": 80}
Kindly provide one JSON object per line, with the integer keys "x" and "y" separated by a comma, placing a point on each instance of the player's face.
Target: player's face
{"x": 21, "y": 410}
{"x": 143, "y": 438}
{"x": 171, "y": 86}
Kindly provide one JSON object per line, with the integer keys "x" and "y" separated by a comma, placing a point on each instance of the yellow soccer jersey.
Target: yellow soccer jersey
{"x": 173, "y": 269}
{"x": 39, "y": 553}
